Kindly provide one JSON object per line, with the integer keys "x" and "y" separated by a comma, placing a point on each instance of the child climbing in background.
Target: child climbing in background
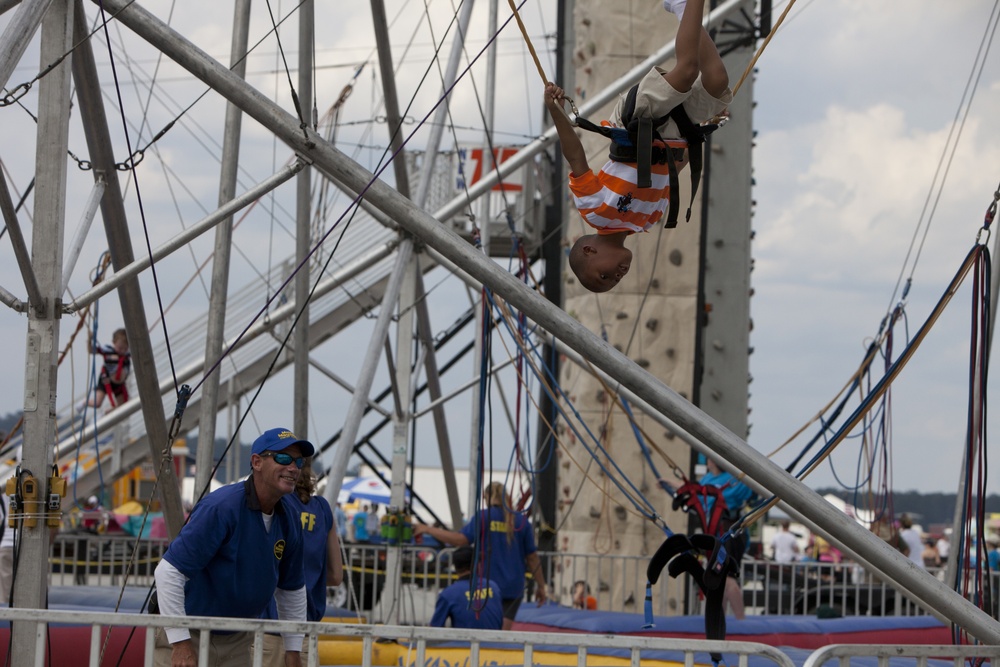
{"x": 114, "y": 371}
{"x": 615, "y": 201}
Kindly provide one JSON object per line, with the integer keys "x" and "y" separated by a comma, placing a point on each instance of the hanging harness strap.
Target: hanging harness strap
{"x": 680, "y": 554}
{"x": 691, "y": 497}
{"x": 639, "y": 143}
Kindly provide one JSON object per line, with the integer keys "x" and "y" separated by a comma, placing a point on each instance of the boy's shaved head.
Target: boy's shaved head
{"x": 598, "y": 263}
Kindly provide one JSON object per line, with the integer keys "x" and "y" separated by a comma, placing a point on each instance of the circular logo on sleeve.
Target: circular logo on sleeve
{"x": 279, "y": 549}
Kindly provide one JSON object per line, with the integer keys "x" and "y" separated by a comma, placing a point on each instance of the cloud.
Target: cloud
{"x": 856, "y": 135}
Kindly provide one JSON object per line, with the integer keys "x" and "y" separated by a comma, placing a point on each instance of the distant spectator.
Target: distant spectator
{"x": 784, "y": 545}
{"x": 582, "y": 599}
{"x": 471, "y": 602}
{"x": 822, "y": 551}
{"x": 340, "y": 519}
{"x": 993, "y": 553}
{"x": 374, "y": 525}
{"x": 993, "y": 558}
{"x": 943, "y": 547}
{"x": 6, "y": 553}
{"x": 930, "y": 554}
{"x": 360, "y": 523}
{"x": 911, "y": 536}
{"x": 736, "y": 494}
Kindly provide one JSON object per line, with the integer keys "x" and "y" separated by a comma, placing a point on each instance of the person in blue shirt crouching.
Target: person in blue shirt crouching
{"x": 471, "y": 602}
{"x": 241, "y": 547}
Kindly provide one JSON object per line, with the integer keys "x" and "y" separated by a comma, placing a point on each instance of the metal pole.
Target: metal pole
{"x": 8, "y": 4}
{"x": 401, "y": 425}
{"x": 86, "y": 220}
{"x": 721, "y": 441}
{"x": 18, "y": 35}
{"x": 426, "y": 337}
{"x": 216, "y": 324}
{"x": 392, "y": 115}
{"x": 20, "y": 247}
{"x": 555, "y": 214}
{"x": 95, "y": 125}
{"x": 437, "y": 125}
{"x": 485, "y": 167}
{"x": 12, "y": 301}
{"x": 488, "y": 159}
{"x": 356, "y": 409}
{"x": 300, "y": 404}
{"x": 123, "y": 274}
{"x": 41, "y": 369}
{"x": 398, "y": 409}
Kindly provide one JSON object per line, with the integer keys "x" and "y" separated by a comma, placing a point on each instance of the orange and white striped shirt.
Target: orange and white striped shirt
{"x": 610, "y": 201}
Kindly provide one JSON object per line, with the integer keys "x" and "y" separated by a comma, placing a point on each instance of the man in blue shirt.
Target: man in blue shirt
{"x": 470, "y": 602}
{"x": 241, "y": 547}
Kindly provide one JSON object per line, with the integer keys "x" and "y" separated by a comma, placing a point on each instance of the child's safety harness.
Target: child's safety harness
{"x": 709, "y": 557}
{"x": 640, "y": 143}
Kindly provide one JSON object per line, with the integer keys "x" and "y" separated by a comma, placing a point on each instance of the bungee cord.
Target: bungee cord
{"x": 881, "y": 387}
{"x": 947, "y": 157}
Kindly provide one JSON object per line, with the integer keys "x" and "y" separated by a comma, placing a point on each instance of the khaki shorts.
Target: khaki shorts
{"x": 274, "y": 651}
{"x": 658, "y": 97}
{"x": 231, "y": 650}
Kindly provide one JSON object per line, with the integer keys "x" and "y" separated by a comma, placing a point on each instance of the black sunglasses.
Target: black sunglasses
{"x": 283, "y": 459}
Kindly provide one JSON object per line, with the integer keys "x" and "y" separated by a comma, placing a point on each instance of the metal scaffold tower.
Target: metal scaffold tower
{"x": 377, "y": 276}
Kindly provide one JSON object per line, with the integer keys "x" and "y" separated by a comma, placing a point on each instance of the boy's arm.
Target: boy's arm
{"x": 572, "y": 148}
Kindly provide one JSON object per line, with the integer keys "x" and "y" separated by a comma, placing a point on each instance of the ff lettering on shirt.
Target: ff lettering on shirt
{"x": 308, "y": 521}
{"x": 479, "y": 594}
{"x": 498, "y": 526}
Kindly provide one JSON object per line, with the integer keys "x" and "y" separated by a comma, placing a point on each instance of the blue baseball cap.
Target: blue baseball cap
{"x": 277, "y": 439}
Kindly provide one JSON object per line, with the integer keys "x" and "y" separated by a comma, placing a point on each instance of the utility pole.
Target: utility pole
{"x": 215, "y": 329}
{"x": 41, "y": 371}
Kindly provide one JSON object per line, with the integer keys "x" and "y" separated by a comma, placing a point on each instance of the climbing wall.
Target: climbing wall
{"x": 652, "y": 316}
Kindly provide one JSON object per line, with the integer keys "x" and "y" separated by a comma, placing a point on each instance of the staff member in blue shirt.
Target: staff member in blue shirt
{"x": 241, "y": 547}
{"x": 322, "y": 559}
{"x": 470, "y": 602}
{"x": 508, "y": 543}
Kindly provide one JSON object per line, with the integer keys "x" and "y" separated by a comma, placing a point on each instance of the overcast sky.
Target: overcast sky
{"x": 856, "y": 111}
{"x": 857, "y": 104}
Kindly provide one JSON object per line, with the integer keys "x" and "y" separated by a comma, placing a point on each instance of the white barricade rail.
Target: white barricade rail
{"x": 415, "y": 639}
{"x": 920, "y": 654}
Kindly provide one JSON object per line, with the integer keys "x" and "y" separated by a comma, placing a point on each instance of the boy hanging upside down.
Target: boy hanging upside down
{"x": 611, "y": 201}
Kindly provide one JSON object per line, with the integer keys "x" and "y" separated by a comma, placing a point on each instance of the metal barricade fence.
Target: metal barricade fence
{"x": 340, "y": 644}
{"x": 88, "y": 559}
{"x": 802, "y": 588}
{"x": 425, "y": 571}
{"x": 616, "y": 581}
{"x": 921, "y": 655}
